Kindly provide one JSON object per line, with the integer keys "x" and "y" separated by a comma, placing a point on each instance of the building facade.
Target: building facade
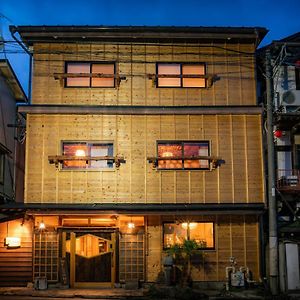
{"x": 137, "y": 139}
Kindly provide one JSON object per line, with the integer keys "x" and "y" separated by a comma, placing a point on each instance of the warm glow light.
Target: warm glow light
{"x": 42, "y": 226}
{"x": 80, "y": 152}
{"x": 191, "y": 225}
{"x": 12, "y": 242}
{"x": 167, "y": 154}
{"x": 130, "y": 225}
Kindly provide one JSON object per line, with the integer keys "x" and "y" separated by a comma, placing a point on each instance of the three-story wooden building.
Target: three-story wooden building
{"x": 139, "y": 138}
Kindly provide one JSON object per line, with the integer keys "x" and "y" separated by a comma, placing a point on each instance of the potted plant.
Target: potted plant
{"x": 182, "y": 255}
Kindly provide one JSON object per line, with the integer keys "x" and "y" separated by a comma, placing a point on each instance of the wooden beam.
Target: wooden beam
{"x": 59, "y": 159}
{"x": 139, "y": 110}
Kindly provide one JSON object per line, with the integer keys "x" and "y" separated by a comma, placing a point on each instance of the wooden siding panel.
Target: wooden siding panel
{"x": 233, "y": 138}
{"x": 211, "y": 178}
{"x": 239, "y": 159}
{"x": 16, "y": 264}
{"x": 232, "y": 63}
{"x": 254, "y": 159}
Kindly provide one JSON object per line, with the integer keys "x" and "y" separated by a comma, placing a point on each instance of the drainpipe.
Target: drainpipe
{"x": 13, "y": 29}
{"x": 273, "y": 238}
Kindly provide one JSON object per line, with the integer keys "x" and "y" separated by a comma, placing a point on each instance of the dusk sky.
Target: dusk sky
{"x": 281, "y": 18}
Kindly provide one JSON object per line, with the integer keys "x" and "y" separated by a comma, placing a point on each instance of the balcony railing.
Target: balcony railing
{"x": 288, "y": 180}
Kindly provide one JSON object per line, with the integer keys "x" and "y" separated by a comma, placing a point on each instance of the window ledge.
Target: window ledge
{"x": 60, "y": 159}
{"x": 214, "y": 162}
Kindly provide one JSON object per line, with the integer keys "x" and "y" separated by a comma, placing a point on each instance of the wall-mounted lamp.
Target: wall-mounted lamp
{"x": 130, "y": 225}
{"x": 12, "y": 242}
{"x": 42, "y": 225}
{"x": 190, "y": 225}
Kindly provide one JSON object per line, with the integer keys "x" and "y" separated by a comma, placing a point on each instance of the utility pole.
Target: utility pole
{"x": 273, "y": 239}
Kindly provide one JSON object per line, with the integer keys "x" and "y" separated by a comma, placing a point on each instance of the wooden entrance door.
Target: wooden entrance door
{"x": 91, "y": 257}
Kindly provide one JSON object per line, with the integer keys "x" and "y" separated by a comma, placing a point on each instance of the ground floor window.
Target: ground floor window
{"x": 201, "y": 232}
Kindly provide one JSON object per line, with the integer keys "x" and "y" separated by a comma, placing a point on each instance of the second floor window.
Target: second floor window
{"x": 178, "y": 155}
{"x": 186, "y": 75}
{"x": 93, "y": 74}
{"x": 87, "y": 149}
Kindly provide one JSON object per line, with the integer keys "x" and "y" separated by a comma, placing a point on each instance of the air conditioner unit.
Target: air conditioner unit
{"x": 290, "y": 98}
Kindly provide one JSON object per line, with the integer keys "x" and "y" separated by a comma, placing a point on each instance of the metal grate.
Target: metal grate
{"x": 131, "y": 257}
{"x": 45, "y": 261}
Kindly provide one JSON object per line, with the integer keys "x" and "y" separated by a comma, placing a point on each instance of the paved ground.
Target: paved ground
{"x": 10, "y": 293}
{"x": 71, "y": 293}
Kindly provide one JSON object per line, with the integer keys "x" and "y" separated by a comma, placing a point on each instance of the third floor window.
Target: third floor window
{"x": 88, "y": 74}
{"x": 186, "y": 75}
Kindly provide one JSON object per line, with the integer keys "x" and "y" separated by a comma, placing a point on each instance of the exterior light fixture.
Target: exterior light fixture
{"x": 189, "y": 225}
{"x": 130, "y": 225}
{"x": 42, "y": 225}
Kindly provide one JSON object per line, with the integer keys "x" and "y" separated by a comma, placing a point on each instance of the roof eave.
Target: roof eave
{"x": 56, "y": 34}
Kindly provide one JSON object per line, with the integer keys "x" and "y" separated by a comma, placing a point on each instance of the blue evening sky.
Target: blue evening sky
{"x": 282, "y": 18}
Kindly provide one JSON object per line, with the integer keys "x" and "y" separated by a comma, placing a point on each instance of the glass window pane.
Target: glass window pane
{"x": 107, "y": 69}
{"x": 103, "y": 68}
{"x": 196, "y": 149}
{"x": 78, "y": 68}
{"x": 174, "y": 234}
{"x": 203, "y": 233}
{"x": 168, "y": 69}
{"x": 170, "y": 150}
{"x": 75, "y": 149}
{"x": 169, "y": 82}
{"x": 193, "y": 82}
{"x": 193, "y": 70}
{"x": 101, "y": 150}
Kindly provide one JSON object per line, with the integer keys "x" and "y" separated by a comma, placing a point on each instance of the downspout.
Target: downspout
{"x": 13, "y": 29}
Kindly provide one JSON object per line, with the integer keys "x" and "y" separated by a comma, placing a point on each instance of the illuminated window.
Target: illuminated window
{"x": 87, "y": 149}
{"x": 180, "y": 75}
{"x": 107, "y": 70}
{"x": 202, "y": 233}
{"x": 183, "y": 152}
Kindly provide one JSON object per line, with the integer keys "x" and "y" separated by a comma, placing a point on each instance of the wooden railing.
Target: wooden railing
{"x": 288, "y": 179}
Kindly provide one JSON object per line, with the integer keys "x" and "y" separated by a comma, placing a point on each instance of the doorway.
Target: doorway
{"x": 91, "y": 257}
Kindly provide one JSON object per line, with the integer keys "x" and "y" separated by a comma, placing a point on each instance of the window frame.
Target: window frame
{"x": 187, "y": 233}
{"x": 91, "y": 63}
{"x": 183, "y": 142}
{"x": 87, "y": 142}
{"x": 181, "y": 75}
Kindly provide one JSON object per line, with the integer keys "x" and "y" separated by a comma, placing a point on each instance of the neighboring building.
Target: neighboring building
{"x": 285, "y": 61}
{"x": 137, "y": 138}
{"x": 11, "y": 147}
{"x": 15, "y": 264}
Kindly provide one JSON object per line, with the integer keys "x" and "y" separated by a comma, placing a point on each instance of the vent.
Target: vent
{"x": 290, "y": 98}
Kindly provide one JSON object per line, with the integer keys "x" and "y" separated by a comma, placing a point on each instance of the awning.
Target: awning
{"x": 139, "y": 209}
